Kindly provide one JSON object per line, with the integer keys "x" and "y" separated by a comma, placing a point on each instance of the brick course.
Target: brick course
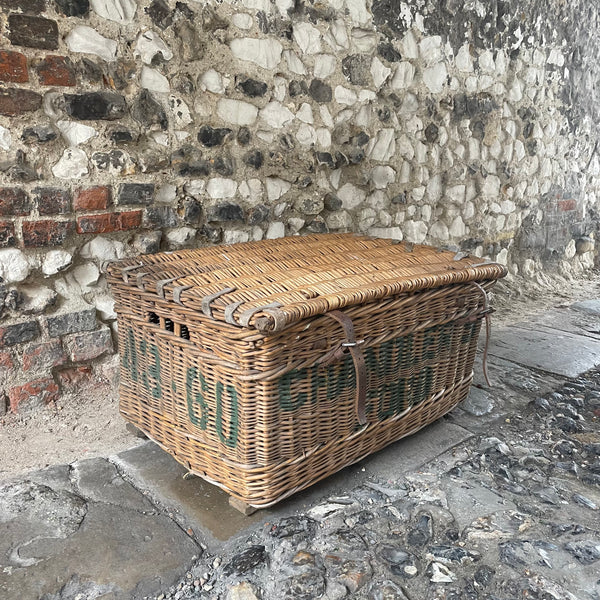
{"x": 40, "y": 391}
{"x": 96, "y": 198}
{"x": 13, "y": 67}
{"x": 14, "y": 202}
{"x": 56, "y": 70}
{"x": 46, "y": 233}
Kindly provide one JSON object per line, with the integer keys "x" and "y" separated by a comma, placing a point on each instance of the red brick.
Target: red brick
{"x": 96, "y": 198}
{"x": 13, "y": 67}
{"x": 52, "y": 201}
{"x": 6, "y": 361}
{"x": 89, "y": 345}
{"x": 42, "y": 391}
{"x": 109, "y": 222}
{"x": 56, "y": 70}
{"x": 46, "y": 233}
{"x": 7, "y": 234}
{"x": 566, "y": 205}
{"x": 130, "y": 220}
{"x": 15, "y": 102}
{"x": 14, "y": 202}
{"x": 74, "y": 378}
{"x": 43, "y": 356}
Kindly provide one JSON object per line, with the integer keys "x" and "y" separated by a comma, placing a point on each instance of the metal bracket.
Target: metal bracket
{"x": 126, "y": 270}
{"x": 211, "y": 297}
{"x": 177, "y": 292}
{"x": 160, "y": 286}
{"x": 139, "y": 278}
{"x": 229, "y": 310}
{"x": 248, "y": 314}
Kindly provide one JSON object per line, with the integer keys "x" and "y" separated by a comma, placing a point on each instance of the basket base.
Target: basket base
{"x": 241, "y": 506}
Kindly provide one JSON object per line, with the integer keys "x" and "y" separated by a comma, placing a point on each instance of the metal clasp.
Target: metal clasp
{"x": 352, "y": 344}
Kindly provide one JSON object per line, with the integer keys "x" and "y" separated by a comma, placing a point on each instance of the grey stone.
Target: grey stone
{"x": 246, "y": 561}
{"x": 161, "y": 216}
{"x": 160, "y": 13}
{"x": 387, "y": 51}
{"x": 39, "y": 133}
{"x": 73, "y": 8}
{"x": 148, "y": 112}
{"x": 225, "y": 211}
{"x": 320, "y": 91}
{"x": 478, "y": 403}
{"x": 357, "y": 69}
{"x": 135, "y": 193}
{"x": 588, "y": 306}
{"x": 19, "y": 333}
{"x": 258, "y": 214}
{"x": 243, "y": 136}
{"x": 210, "y": 137}
{"x": 254, "y": 159}
{"x": 252, "y": 87}
{"x": 148, "y": 243}
{"x": 96, "y": 105}
{"x": 72, "y": 322}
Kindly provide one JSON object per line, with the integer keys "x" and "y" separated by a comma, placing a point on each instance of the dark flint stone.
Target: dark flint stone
{"x": 148, "y": 112}
{"x": 75, "y": 322}
{"x": 289, "y": 526}
{"x": 399, "y": 198}
{"x": 394, "y": 556}
{"x": 161, "y": 216}
{"x": 96, "y": 105}
{"x": 73, "y": 8}
{"x": 357, "y": 69}
{"x": 252, "y": 87}
{"x": 160, "y": 13}
{"x": 388, "y": 52}
{"x": 243, "y": 136}
{"x": 135, "y": 193}
{"x": 225, "y": 211}
{"x": 384, "y": 114}
{"x": 320, "y": 91}
{"x": 355, "y": 156}
{"x": 19, "y": 333}
{"x": 121, "y": 136}
{"x": 246, "y": 561}
{"x": 254, "y": 159}
{"x": 454, "y": 554}
{"x": 477, "y": 129}
{"x": 224, "y": 165}
{"x": 484, "y": 575}
{"x": 90, "y": 71}
{"x": 287, "y": 141}
{"x": 192, "y": 211}
{"x": 297, "y": 88}
{"x": 33, "y": 32}
{"x": 422, "y": 533}
{"x": 115, "y": 159}
{"x": 361, "y": 139}
{"x": 212, "y": 234}
{"x": 531, "y": 146}
{"x": 586, "y": 551}
{"x": 304, "y": 182}
{"x": 39, "y": 133}
{"x": 431, "y": 133}
{"x": 317, "y": 225}
{"x": 306, "y": 586}
{"x": 183, "y": 9}
{"x": 325, "y": 158}
{"x": 568, "y": 425}
{"x": 528, "y": 130}
{"x": 478, "y": 105}
{"x": 194, "y": 168}
{"x": 256, "y": 215}
{"x": 210, "y": 137}
{"x": 332, "y": 202}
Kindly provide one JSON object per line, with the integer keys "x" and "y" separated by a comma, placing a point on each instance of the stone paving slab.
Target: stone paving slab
{"x": 591, "y": 306}
{"x": 553, "y": 351}
{"x": 84, "y": 532}
{"x": 579, "y": 322}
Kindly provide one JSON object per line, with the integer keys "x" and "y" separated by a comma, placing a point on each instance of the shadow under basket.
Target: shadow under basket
{"x": 265, "y": 367}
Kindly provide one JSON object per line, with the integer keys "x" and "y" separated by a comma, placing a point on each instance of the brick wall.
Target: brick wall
{"x": 133, "y": 126}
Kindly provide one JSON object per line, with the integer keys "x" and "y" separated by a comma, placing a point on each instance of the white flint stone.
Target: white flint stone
{"x": 415, "y": 231}
{"x": 434, "y": 188}
{"x": 242, "y": 21}
{"x": 266, "y": 53}
{"x": 305, "y": 113}
{"x": 55, "y": 261}
{"x": 180, "y": 110}
{"x": 340, "y": 219}
{"x": 392, "y": 233}
{"x": 410, "y": 104}
{"x": 283, "y": 6}
{"x": 76, "y": 133}
{"x": 426, "y": 211}
{"x": 409, "y": 47}
{"x": 237, "y": 111}
{"x": 86, "y": 275}
{"x": 279, "y": 88}
{"x": 323, "y": 138}
{"x": 102, "y": 249}
{"x": 502, "y": 256}
{"x": 351, "y": 196}
{"x": 264, "y": 5}
{"x": 306, "y": 135}
{"x": 366, "y": 218}
{"x": 381, "y": 177}
{"x": 121, "y": 11}
{"x": 359, "y": 12}
{"x": 439, "y": 231}
{"x": 265, "y": 136}
{"x": 556, "y": 57}
{"x": 324, "y": 65}
{"x": 339, "y": 34}
{"x": 344, "y": 115}
{"x": 486, "y": 61}
{"x": 463, "y": 60}
{"x": 5, "y": 138}
{"x": 219, "y": 187}
{"x": 307, "y": 37}
{"x": 515, "y": 94}
{"x": 14, "y": 266}
{"x": 335, "y": 178}
{"x": 366, "y": 95}
{"x": 491, "y": 187}
{"x": 326, "y": 116}
{"x": 149, "y": 44}
{"x": 295, "y": 65}
{"x": 364, "y": 41}
{"x": 87, "y": 40}
{"x": 167, "y": 193}
{"x": 212, "y": 81}
{"x": 161, "y": 138}
{"x": 73, "y": 164}
{"x": 430, "y": 49}
{"x": 296, "y": 224}
{"x": 456, "y": 193}
{"x": 276, "y": 115}
{"x": 154, "y": 81}
{"x": 105, "y": 305}
{"x": 377, "y": 200}
{"x": 383, "y": 146}
{"x": 180, "y": 236}
{"x": 457, "y": 228}
{"x": 435, "y": 77}
{"x": 379, "y": 72}
{"x": 275, "y": 230}
{"x": 276, "y": 188}
{"x": 279, "y": 209}
{"x": 235, "y": 237}
{"x": 345, "y": 96}
{"x": 404, "y": 176}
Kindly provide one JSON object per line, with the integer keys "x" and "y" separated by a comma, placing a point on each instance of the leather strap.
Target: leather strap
{"x": 359, "y": 362}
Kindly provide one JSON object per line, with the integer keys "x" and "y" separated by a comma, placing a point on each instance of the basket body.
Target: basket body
{"x": 264, "y": 414}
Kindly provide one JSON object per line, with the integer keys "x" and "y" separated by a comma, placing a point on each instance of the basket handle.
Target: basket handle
{"x": 359, "y": 361}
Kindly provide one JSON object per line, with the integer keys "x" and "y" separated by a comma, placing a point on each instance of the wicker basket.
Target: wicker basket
{"x": 264, "y": 367}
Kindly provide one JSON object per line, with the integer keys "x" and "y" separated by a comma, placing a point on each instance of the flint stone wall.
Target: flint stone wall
{"x": 132, "y": 126}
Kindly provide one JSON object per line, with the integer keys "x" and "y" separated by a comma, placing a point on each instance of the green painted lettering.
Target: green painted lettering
{"x": 196, "y": 398}
{"x": 231, "y": 440}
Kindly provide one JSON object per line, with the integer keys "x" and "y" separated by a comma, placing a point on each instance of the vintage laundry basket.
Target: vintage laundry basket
{"x": 266, "y": 366}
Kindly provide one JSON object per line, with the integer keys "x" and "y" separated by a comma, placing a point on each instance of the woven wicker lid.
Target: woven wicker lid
{"x": 271, "y": 284}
